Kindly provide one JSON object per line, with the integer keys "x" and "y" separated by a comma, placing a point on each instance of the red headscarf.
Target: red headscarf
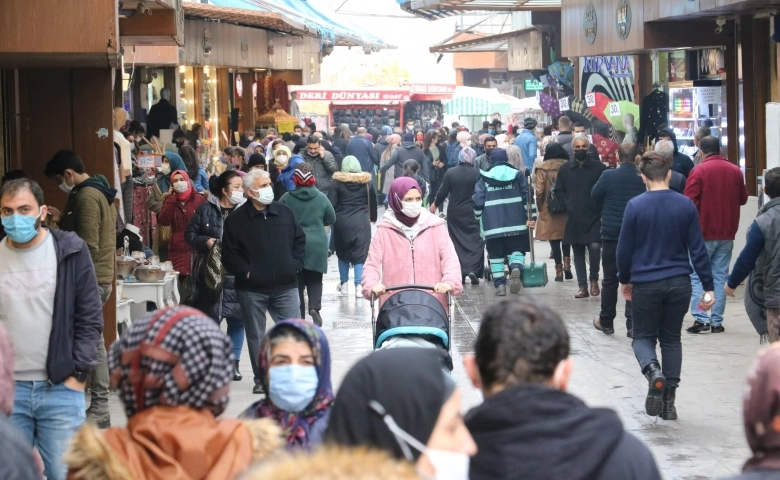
{"x": 182, "y": 197}
{"x": 398, "y": 190}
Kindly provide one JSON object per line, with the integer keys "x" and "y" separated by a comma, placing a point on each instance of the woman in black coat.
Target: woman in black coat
{"x": 458, "y": 184}
{"x": 354, "y": 199}
{"x": 203, "y": 231}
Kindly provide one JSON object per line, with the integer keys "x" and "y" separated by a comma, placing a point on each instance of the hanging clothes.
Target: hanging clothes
{"x": 654, "y": 112}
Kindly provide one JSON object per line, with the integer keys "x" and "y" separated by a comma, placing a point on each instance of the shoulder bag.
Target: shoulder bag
{"x": 556, "y": 203}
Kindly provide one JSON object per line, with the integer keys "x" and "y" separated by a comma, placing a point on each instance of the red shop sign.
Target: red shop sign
{"x": 432, "y": 89}
{"x": 353, "y": 95}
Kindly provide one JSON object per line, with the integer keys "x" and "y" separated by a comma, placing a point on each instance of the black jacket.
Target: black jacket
{"x": 554, "y": 436}
{"x": 381, "y": 145}
{"x": 405, "y": 151}
{"x": 612, "y": 192}
{"x": 681, "y": 162}
{"x": 362, "y": 149}
{"x": 206, "y": 224}
{"x": 161, "y": 116}
{"x": 340, "y": 142}
{"x": 575, "y": 183}
{"x": 655, "y": 111}
{"x": 270, "y": 248}
{"x": 354, "y": 199}
{"x": 78, "y": 312}
{"x": 677, "y": 182}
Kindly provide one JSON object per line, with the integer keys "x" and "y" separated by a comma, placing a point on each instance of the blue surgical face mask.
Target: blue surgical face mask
{"x": 21, "y": 228}
{"x": 492, "y": 132}
{"x": 292, "y": 387}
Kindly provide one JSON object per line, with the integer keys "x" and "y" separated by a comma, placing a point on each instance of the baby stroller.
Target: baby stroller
{"x": 412, "y": 317}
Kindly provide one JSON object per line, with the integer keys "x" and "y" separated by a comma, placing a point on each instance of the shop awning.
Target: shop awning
{"x": 488, "y": 43}
{"x": 242, "y": 13}
{"x": 426, "y": 13}
{"x": 472, "y": 101}
{"x": 426, "y": 92}
{"x": 488, "y": 5}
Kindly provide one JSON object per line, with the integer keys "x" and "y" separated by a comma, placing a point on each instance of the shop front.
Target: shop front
{"x": 426, "y": 104}
{"x": 361, "y": 107}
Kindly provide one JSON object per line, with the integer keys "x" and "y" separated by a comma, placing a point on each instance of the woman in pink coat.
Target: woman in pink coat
{"x": 411, "y": 246}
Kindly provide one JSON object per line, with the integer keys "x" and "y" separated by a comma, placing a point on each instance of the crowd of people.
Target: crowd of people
{"x": 275, "y": 208}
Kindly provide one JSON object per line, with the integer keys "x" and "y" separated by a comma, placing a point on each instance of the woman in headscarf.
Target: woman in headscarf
{"x": 515, "y": 156}
{"x": 354, "y": 199}
{"x": 172, "y": 372}
{"x": 387, "y": 178}
{"x": 295, "y": 370}
{"x": 400, "y": 401}
{"x": 254, "y": 147}
{"x": 458, "y": 186}
{"x": 314, "y": 212}
{"x": 411, "y": 246}
{"x": 550, "y": 226}
{"x": 161, "y": 189}
{"x": 761, "y": 410}
{"x": 177, "y": 210}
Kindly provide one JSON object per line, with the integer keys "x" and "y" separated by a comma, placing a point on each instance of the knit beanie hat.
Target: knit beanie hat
{"x": 303, "y": 176}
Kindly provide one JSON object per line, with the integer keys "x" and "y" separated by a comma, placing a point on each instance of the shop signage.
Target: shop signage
{"x": 149, "y": 161}
{"x": 563, "y": 104}
{"x": 614, "y": 109}
{"x": 707, "y": 95}
{"x": 353, "y": 95}
{"x": 590, "y": 99}
{"x": 590, "y": 24}
{"x": 623, "y": 19}
{"x": 532, "y": 84}
{"x": 432, "y": 89}
{"x": 286, "y": 127}
{"x": 612, "y": 75}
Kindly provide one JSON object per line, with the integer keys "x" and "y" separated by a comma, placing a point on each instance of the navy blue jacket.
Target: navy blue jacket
{"x": 78, "y": 314}
{"x": 362, "y": 149}
{"x": 500, "y": 199}
{"x": 612, "y": 192}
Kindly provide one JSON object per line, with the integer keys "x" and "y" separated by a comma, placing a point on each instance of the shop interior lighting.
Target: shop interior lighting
{"x": 182, "y": 69}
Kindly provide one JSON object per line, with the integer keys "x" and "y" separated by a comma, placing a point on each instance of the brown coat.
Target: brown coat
{"x": 548, "y": 226}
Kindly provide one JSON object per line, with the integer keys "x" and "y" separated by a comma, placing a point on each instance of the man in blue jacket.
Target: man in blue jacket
{"x": 526, "y": 141}
{"x": 50, "y": 306}
{"x": 612, "y": 192}
{"x": 500, "y": 199}
{"x": 360, "y": 147}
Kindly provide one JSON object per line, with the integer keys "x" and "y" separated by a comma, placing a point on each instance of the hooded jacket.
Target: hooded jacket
{"x": 90, "y": 212}
{"x": 405, "y": 151}
{"x": 314, "y": 212}
{"x": 177, "y": 215}
{"x": 322, "y": 168}
{"x": 681, "y": 162}
{"x": 526, "y": 141}
{"x": 575, "y": 184}
{"x": 361, "y": 148}
{"x": 284, "y": 183}
{"x": 555, "y": 436}
{"x": 500, "y": 199}
{"x": 354, "y": 200}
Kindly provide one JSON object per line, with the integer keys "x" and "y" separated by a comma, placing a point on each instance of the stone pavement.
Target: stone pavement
{"x": 707, "y": 441}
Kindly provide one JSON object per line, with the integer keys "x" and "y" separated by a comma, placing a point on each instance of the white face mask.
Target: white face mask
{"x": 411, "y": 209}
{"x": 281, "y": 159}
{"x": 236, "y": 197}
{"x": 449, "y": 465}
{"x": 180, "y": 186}
{"x": 165, "y": 169}
{"x": 65, "y": 187}
{"x": 264, "y": 195}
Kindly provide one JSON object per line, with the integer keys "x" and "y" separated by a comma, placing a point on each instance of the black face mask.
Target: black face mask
{"x": 488, "y": 152}
{"x": 580, "y": 154}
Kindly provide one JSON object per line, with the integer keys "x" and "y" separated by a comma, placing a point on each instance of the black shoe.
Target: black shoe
{"x": 717, "y": 329}
{"x": 474, "y": 279}
{"x": 501, "y": 291}
{"x": 629, "y": 328}
{"x": 315, "y": 315}
{"x": 698, "y": 327}
{"x": 669, "y": 411}
{"x": 603, "y": 326}
{"x": 236, "y": 372}
{"x": 630, "y": 333}
{"x": 656, "y": 383}
{"x": 258, "y": 389}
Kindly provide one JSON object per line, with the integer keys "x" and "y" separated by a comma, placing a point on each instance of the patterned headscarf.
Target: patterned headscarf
{"x": 6, "y": 373}
{"x": 303, "y": 176}
{"x": 761, "y": 409}
{"x": 174, "y": 356}
{"x": 467, "y": 155}
{"x": 296, "y": 425}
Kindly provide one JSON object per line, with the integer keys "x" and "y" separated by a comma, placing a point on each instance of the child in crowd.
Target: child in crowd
{"x": 411, "y": 169}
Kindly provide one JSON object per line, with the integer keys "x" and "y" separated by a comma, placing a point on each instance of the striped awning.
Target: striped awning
{"x": 474, "y": 106}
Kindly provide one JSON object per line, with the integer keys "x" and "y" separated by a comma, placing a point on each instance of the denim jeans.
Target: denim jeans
{"x": 98, "y": 381}
{"x": 281, "y": 305}
{"x": 609, "y": 286}
{"x": 719, "y": 252}
{"x": 235, "y": 330}
{"x": 594, "y": 257}
{"x": 344, "y": 271}
{"x": 48, "y": 416}
{"x": 659, "y": 308}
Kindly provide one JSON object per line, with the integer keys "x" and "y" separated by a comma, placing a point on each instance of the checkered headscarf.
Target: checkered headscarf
{"x": 174, "y": 356}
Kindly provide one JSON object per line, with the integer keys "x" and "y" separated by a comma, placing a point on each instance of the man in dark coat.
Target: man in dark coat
{"x": 408, "y": 150}
{"x": 575, "y": 183}
{"x": 361, "y": 148}
{"x": 521, "y": 358}
{"x": 161, "y": 115}
{"x": 681, "y": 162}
{"x": 612, "y": 192}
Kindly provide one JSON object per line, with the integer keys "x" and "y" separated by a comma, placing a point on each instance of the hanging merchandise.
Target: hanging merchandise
{"x": 579, "y": 112}
{"x": 269, "y": 94}
{"x": 260, "y": 96}
{"x": 280, "y": 89}
{"x": 655, "y": 111}
{"x": 615, "y": 111}
{"x": 601, "y": 105}
{"x": 563, "y": 72}
{"x": 549, "y": 105}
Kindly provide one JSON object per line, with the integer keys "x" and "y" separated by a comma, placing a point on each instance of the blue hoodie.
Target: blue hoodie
{"x": 286, "y": 177}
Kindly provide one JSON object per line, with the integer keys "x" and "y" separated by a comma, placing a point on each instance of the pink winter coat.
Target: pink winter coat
{"x": 392, "y": 262}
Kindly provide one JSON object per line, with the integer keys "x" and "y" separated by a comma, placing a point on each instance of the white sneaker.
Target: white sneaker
{"x": 358, "y": 291}
{"x": 342, "y": 289}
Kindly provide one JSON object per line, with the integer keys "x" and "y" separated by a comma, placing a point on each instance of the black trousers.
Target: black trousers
{"x": 558, "y": 249}
{"x": 659, "y": 308}
{"x": 594, "y": 258}
{"x": 609, "y": 286}
{"x": 310, "y": 281}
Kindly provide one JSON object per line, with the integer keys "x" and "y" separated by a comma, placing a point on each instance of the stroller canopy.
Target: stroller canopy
{"x": 412, "y": 312}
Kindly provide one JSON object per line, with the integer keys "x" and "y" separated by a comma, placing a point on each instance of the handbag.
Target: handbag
{"x": 165, "y": 233}
{"x": 215, "y": 272}
{"x": 556, "y": 203}
{"x": 188, "y": 288}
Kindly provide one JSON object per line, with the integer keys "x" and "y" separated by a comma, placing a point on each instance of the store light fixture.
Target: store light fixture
{"x": 182, "y": 69}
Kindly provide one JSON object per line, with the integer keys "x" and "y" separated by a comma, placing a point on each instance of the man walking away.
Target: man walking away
{"x": 50, "y": 306}
{"x": 659, "y": 240}
{"x": 680, "y": 162}
{"x": 91, "y": 214}
{"x": 761, "y": 255}
{"x": 612, "y": 192}
{"x": 701, "y": 132}
{"x": 323, "y": 163}
{"x": 361, "y": 148}
{"x": 666, "y": 148}
{"x": 717, "y": 189}
{"x": 500, "y": 198}
{"x": 265, "y": 248}
{"x": 526, "y": 141}
{"x": 529, "y": 427}
{"x": 575, "y": 184}
{"x": 408, "y": 150}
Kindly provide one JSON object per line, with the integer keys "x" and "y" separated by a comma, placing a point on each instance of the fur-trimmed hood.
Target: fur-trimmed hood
{"x": 93, "y": 456}
{"x": 344, "y": 177}
{"x": 335, "y": 462}
{"x": 550, "y": 165}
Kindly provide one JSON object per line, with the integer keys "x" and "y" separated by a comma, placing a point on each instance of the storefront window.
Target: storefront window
{"x": 187, "y": 94}
{"x": 209, "y": 113}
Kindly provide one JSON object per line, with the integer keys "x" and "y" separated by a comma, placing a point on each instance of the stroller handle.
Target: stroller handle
{"x": 410, "y": 286}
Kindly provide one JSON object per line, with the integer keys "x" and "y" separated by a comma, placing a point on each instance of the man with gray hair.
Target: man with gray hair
{"x": 361, "y": 148}
{"x": 162, "y": 115}
{"x": 264, "y": 247}
{"x": 701, "y": 132}
{"x": 666, "y": 148}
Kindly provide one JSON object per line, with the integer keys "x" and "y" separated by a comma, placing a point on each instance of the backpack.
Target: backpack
{"x": 556, "y": 203}
{"x": 453, "y": 151}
